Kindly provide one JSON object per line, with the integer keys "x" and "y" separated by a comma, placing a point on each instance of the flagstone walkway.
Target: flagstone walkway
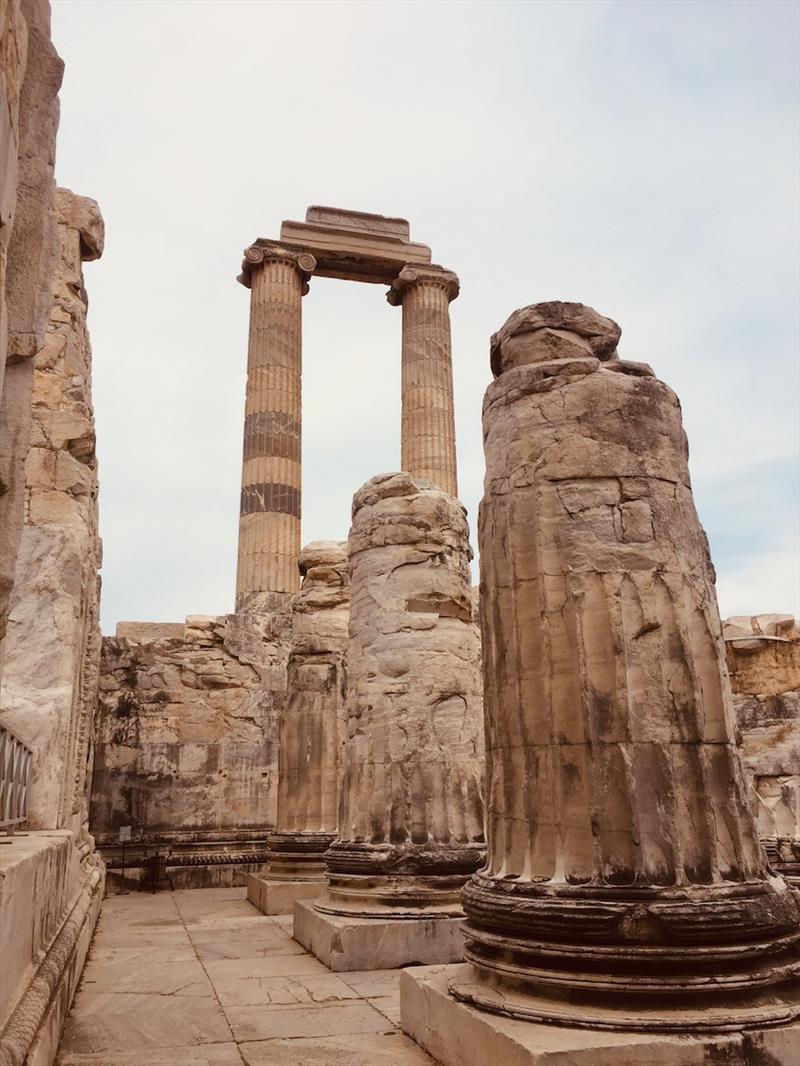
{"x": 201, "y": 977}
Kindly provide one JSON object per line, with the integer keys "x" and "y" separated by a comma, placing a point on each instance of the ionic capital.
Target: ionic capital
{"x": 422, "y": 275}
{"x": 263, "y": 251}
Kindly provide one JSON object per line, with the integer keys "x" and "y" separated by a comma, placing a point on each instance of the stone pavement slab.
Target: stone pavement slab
{"x": 201, "y": 978}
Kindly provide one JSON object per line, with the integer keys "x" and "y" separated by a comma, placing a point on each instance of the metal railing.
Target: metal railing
{"x": 15, "y": 781}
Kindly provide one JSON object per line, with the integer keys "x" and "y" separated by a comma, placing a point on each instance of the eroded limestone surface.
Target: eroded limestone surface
{"x": 411, "y": 813}
{"x": 49, "y": 689}
{"x": 623, "y": 854}
{"x": 186, "y": 750}
{"x": 311, "y": 732}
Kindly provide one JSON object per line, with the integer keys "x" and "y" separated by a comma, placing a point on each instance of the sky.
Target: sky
{"x": 639, "y": 157}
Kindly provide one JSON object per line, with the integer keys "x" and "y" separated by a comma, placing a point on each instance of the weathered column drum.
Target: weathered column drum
{"x": 411, "y": 811}
{"x": 625, "y": 886}
{"x": 311, "y": 728}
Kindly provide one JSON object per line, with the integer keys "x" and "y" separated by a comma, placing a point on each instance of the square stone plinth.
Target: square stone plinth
{"x": 279, "y": 897}
{"x": 345, "y": 943}
{"x": 455, "y": 1034}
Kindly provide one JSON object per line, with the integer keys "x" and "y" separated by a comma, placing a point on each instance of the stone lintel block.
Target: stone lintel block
{"x": 349, "y": 943}
{"x": 360, "y": 221}
{"x": 279, "y": 897}
{"x": 354, "y": 255}
{"x": 456, "y": 1034}
{"x": 146, "y": 632}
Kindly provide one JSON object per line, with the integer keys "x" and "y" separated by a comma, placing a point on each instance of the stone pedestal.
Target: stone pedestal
{"x": 625, "y": 887}
{"x": 269, "y": 523}
{"x": 411, "y": 812}
{"x": 428, "y": 441}
{"x": 311, "y": 734}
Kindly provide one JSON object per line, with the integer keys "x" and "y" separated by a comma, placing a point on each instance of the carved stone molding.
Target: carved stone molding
{"x": 423, "y": 275}
{"x": 262, "y": 251}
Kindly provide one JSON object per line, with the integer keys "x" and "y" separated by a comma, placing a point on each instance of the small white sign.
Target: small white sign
{"x": 124, "y": 834}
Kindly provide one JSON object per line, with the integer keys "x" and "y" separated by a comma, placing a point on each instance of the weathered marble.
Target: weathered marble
{"x": 269, "y": 522}
{"x": 30, "y": 77}
{"x": 428, "y": 430}
{"x": 763, "y": 655}
{"x": 186, "y": 749}
{"x": 311, "y": 733}
{"x": 411, "y": 810}
{"x": 625, "y": 887}
{"x": 49, "y": 689}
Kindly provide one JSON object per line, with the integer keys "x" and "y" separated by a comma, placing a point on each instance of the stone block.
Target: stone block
{"x": 145, "y": 632}
{"x": 456, "y": 1034}
{"x": 345, "y": 943}
{"x": 279, "y": 897}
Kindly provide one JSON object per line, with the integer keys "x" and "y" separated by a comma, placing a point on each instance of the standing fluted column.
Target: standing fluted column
{"x": 623, "y": 857}
{"x": 411, "y": 810}
{"x": 311, "y": 732}
{"x": 428, "y": 434}
{"x": 269, "y": 522}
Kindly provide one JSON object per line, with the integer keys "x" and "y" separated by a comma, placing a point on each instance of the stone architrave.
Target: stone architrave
{"x": 411, "y": 809}
{"x": 311, "y": 731}
{"x": 625, "y": 887}
{"x": 269, "y": 522}
{"x": 428, "y": 429}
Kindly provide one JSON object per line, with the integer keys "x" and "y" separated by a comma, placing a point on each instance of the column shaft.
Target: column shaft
{"x": 622, "y": 849}
{"x": 428, "y": 438}
{"x": 269, "y": 523}
{"x": 411, "y": 811}
{"x": 311, "y": 726}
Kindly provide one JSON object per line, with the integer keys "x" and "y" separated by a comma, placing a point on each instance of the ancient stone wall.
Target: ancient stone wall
{"x": 186, "y": 747}
{"x": 49, "y": 689}
{"x": 763, "y": 654}
{"x": 30, "y": 77}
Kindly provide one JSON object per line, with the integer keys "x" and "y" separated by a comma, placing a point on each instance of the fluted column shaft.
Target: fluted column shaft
{"x": 269, "y": 522}
{"x": 411, "y": 811}
{"x": 311, "y": 726}
{"x": 428, "y": 435}
{"x": 622, "y": 848}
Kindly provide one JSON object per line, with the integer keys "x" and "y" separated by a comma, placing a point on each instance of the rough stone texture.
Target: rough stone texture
{"x": 623, "y": 855}
{"x": 344, "y": 943}
{"x": 186, "y": 750}
{"x": 311, "y": 732}
{"x": 199, "y": 978}
{"x": 764, "y": 662}
{"x": 49, "y": 690}
{"x": 411, "y": 809}
{"x": 30, "y": 77}
{"x": 50, "y": 893}
{"x": 456, "y": 1034}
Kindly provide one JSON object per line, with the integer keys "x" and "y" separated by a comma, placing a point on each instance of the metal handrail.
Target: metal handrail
{"x": 16, "y": 761}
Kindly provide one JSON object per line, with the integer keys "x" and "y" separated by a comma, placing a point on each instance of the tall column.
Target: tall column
{"x": 625, "y": 885}
{"x": 428, "y": 444}
{"x": 311, "y": 732}
{"x": 411, "y": 810}
{"x": 269, "y": 522}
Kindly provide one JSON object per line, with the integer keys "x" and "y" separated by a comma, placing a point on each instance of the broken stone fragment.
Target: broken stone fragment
{"x": 553, "y": 330}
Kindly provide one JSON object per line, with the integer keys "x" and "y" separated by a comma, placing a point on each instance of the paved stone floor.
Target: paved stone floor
{"x": 201, "y": 977}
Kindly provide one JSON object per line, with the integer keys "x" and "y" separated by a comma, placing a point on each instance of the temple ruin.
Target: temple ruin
{"x": 375, "y": 815}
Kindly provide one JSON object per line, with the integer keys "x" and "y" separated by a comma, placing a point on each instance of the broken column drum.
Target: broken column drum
{"x": 311, "y": 723}
{"x": 624, "y": 868}
{"x": 269, "y": 523}
{"x": 411, "y": 812}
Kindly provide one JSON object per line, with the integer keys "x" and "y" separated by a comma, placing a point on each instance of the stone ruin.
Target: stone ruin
{"x": 614, "y": 879}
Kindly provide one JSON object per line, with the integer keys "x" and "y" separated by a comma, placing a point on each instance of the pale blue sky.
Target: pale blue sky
{"x": 641, "y": 157}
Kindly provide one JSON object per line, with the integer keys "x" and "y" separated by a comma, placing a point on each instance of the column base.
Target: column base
{"x": 279, "y": 897}
{"x": 382, "y": 943}
{"x": 455, "y": 1033}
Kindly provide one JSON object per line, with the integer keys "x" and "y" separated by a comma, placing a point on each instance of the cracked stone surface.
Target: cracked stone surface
{"x": 186, "y": 748}
{"x": 200, "y": 977}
